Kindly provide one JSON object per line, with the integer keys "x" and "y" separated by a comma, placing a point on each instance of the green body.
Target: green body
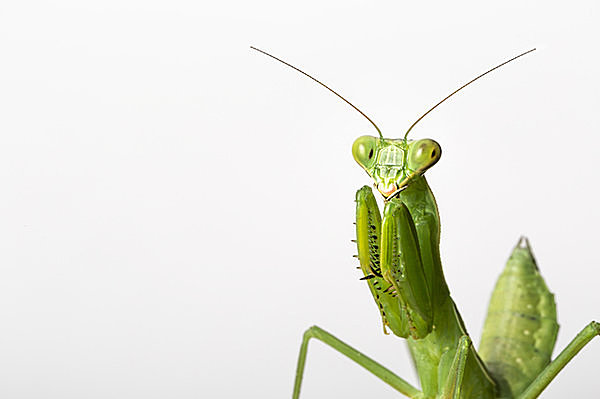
{"x": 400, "y": 260}
{"x": 418, "y": 306}
{"x": 399, "y": 256}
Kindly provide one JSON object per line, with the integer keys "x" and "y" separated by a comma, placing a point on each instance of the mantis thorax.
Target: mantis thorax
{"x": 393, "y": 163}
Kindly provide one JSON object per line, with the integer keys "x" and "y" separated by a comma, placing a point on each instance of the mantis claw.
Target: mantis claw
{"x": 402, "y": 267}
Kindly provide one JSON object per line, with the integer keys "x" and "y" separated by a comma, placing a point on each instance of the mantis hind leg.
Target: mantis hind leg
{"x": 548, "y": 374}
{"x": 371, "y": 365}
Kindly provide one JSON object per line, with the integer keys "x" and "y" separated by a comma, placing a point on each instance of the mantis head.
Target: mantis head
{"x": 393, "y": 164}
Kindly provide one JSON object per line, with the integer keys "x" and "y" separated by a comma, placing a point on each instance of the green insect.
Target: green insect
{"x": 399, "y": 257}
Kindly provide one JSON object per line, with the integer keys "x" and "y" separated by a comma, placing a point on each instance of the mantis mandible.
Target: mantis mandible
{"x": 399, "y": 257}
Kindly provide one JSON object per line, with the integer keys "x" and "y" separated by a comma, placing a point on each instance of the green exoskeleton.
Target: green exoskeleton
{"x": 399, "y": 257}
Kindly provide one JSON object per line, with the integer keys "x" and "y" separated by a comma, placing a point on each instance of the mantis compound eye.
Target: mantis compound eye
{"x": 364, "y": 151}
{"x": 423, "y": 154}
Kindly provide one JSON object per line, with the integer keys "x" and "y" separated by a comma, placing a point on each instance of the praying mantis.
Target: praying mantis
{"x": 398, "y": 253}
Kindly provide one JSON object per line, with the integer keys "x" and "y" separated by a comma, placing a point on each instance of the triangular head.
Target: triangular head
{"x": 393, "y": 164}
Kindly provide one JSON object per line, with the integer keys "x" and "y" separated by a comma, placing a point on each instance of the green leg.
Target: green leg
{"x": 548, "y": 374}
{"x": 401, "y": 266}
{"x": 457, "y": 370}
{"x": 377, "y": 369}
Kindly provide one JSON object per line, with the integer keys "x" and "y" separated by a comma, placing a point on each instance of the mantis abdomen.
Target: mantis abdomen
{"x": 520, "y": 329}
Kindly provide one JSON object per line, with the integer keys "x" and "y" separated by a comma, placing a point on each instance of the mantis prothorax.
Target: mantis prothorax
{"x": 399, "y": 257}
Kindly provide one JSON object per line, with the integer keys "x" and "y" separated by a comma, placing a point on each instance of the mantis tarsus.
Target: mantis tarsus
{"x": 399, "y": 257}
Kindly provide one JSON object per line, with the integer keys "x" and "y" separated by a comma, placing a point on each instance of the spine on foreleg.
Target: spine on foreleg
{"x": 520, "y": 329}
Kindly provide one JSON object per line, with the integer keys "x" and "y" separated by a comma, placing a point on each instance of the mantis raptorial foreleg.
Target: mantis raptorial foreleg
{"x": 401, "y": 266}
{"x": 390, "y": 259}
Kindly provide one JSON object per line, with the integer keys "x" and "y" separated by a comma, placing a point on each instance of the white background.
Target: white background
{"x": 176, "y": 209}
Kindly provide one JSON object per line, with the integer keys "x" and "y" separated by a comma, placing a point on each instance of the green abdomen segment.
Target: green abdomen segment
{"x": 520, "y": 329}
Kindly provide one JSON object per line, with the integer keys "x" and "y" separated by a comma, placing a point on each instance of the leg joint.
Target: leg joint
{"x": 596, "y": 326}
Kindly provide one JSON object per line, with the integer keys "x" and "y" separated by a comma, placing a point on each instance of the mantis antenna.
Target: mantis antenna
{"x": 322, "y": 84}
{"x": 462, "y": 87}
